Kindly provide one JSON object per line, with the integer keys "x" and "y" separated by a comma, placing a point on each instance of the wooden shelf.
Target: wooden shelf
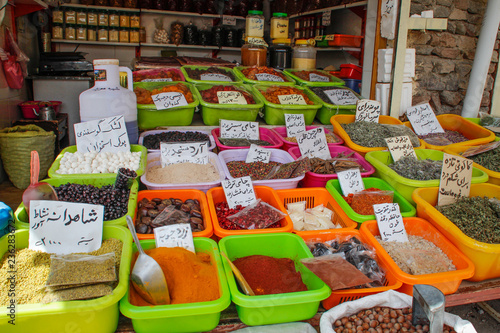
{"x": 180, "y": 46}
{"x": 351, "y": 5}
{"x": 70, "y": 41}
{"x": 340, "y": 48}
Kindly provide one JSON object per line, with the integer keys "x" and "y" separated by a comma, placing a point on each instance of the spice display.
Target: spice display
{"x": 290, "y": 170}
{"x": 81, "y": 16}
{"x": 382, "y": 319}
{"x": 341, "y": 162}
{"x": 252, "y": 73}
{"x": 93, "y": 162}
{"x": 81, "y": 32}
{"x": 222, "y": 211}
{"x": 210, "y": 95}
{"x": 124, "y": 20}
{"x": 240, "y": 142}
{"x": 190, "y": 277}
{"x": 114, "y": 18}
{"x": 268, "y": 275}
{"x": 347, "y": 98}
{"x": 57, "y": 15}
{"x": 443, "y": 139}
{"x": 306, "y": 75}
{"x": 152, "y": 75}
{"x": 368, "y": 134}
{"x": 182, "y": 173}
{"x": 489, "y": 159}
{"x": 362, "y": 202}
{"x": 316, "y": 218}
{"x": 144, "y": 95}
{"x": 272, "y": 93}
{"x": 258, "y": 215}
{"x": 135, "y": 20}
{"x": 103, "y": 18}
{"x": 411, "y": 168}
{"x": 152, "y": 141}
{"x": 33, "y": 269}
{"x": 149, "y": 210}
{"x": 256, "y": 170}
{"x": 330, "y": 138}
{"x": 477, "y": 217}
{"x": 92, "y": 18}
{"x": 196, "y": 73}
{"x": 176, "y": 32}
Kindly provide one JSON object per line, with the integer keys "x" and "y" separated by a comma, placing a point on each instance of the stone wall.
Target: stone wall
{"x": 444, "y": 58}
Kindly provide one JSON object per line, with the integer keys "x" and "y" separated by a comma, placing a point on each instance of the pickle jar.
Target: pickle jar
{"x": 102, "y": 34}
{"x": 81, "y": 32}
{"x": 124, "y": 20}
{"x": 304, "y": 54}
{"x": 134, "y": 35}
{"x": 81, "y": 16}
{"x": 124, "y": 35}
{"x": 103, "y": 18}
{"x": 91, "y": 33}
{"x": 254, "y": 24}
{"x": 70, "y": 32}
{"x": 70, "y": 16}
{"x": 114, "y": 34}
{"x": 279, "y": 26}
{"x": 57, "y": 31}
{"x": 57, "y": 15}
{"x": 114, "y": 18}
{"x": 92, "y": 18}
{"x": 135, "y": 20}
{"x": 254, "y": 52}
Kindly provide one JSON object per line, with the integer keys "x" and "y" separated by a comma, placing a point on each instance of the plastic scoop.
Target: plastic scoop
{"x": 147, "y": 277}
{"x": 36, "y": 190}
{"x": 239, "y": 277}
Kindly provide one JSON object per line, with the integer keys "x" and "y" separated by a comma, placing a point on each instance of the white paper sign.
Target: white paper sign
{"x": 367, "y": 110}
{"x": 231, "y": 97}
{"x": 233, "y": 129}
{"x": 390, "y": 222}
{"x": 108, "y": 134}
{"x": 239, "y": 191}
{"x": 175, "y": 235}
{"x": 326, "y": 18}
{"x": 456, "y": 177}
{"x": 268, "y": 77}
{"x": 423, "y": 119}
{"x": 341, "y": 96}
{"x": 313, "y": 77}
{"x": 313, "y": 143}
{"x": 165, "y": 79}
{"x": 228, "y": 20}
{"x": 173, "y": 153}
{"x": 169, "y": 100}
{"x": 294, "y": 99}
{"x": 258, "y": 154}
{"x": 65, "y": 227}
{"x": 215, "y": 77}
{"x": 400, "y": 146}
{"x": 295, "y": 124}
{"x": 350, "y": 181}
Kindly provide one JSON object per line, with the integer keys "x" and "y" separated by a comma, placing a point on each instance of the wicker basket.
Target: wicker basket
{"x": 16, "y": 144}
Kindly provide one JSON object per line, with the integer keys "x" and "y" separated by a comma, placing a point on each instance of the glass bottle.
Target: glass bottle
{"x": 304, "y": 54}
{"x": 81, "y": 16}
{"x": 57, "y": 15}
{"x": 135, "y": 20}
{"x": 102, "y": 34}
{"x": 70, "y": 32}
{"x": 124, "y": 20}
{"x": 134, "y": 35}
{"x": 124, "y": 35}
{"x": 114, "y": 35}
{"x": 279, "y": 26}
{"x": 91, "y": 33}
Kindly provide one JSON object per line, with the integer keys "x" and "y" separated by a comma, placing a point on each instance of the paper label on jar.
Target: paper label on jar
{"x": 313, "y": 143}
{"x": 165, "y": 79}
{"x": 318, "y": 78}
{"x": 279, "y": 28}
{"x": 257, "y": 41}
{"x": 231, "y": 97}
{"x": 368, "y": 110}
{"x": 423, "y": 119}
{"x": 175, "y": 235}
{"x": 215, "y": 77}
{"x": 294, "y": 99}
{"x": 341, "y": 96}
{"x": 255, "y": 26}
{"x": 390, "y": 222}
{"x": 169, "y": 100}
{"x": 228, "y": 20}
{"x": 268, "y": 77}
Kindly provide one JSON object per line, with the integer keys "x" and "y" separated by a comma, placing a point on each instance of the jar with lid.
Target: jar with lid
{"x": 70, "y": 32}
{"x": 102, "y": 34}
{"x": 124, "y": 20}
{"x": 134, "y": 35}
{"x": 91, "y": 33}
{"x": 92, "y": 18}
{"x": 81, "y": 32}
{"x": 57, "y": 15}
{"x": 114, "y": 18}
{"x": 142, "y": 34}
{"x": 124, "y": 35}
{"x": 254, "y": 24}
{"x": 135, "y": 20}
{"x": 304, "y": 54}
{"x": 279, "y": 26}
{"x": 101, "y": 2}
{"x": 81, "y": 16}
{"x": 70, "y": 16}
{"x": 280, "y": 54}
{"x": 114, "y": 34}
{"x": 103, "y": 18}
{"x": 254, "y": 52}
{"x": 116, "y": 3}
{"x": 130, "y": 3}
{"x": 57, "y": 31}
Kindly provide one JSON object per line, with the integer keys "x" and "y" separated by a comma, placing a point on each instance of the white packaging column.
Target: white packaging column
{"x": 382, "y": 95}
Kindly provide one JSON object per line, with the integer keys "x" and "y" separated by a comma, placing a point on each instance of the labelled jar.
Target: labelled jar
{"x": 57, "y": 15}
{"x": 70, "y": 32}
{"x": 114, "y": 18}
{"x": 135, "y": 20}
{"x": 57, "y": 31}
{"x": 92, "y": 18}
{"x": 254, "y": 52}
{"x": 254, "y": 24}
{"x": 103, "y": 18}
{"x": 91, "y": 33}
{"x": 142, "y": 34}
{"x": 81, "y": 32}
{"x": 304, "y": 54}
{"x": 81, "y": 16}
{"x": 70, "y": 16}
{"x": 124, "y": 20}
{"x": 102, "y": 34}
{"x": 125, "y": 35}
{"x": 134, "y": 35}
{"x": 280, "y": 54}
{"x": 114, "y": 35}
{"x": 279, "y": 26}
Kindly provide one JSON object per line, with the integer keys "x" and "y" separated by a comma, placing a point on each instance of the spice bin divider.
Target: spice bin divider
{"x": 152, "y": 132}
{"x": 328, "y": 110}
{"x": 335, "y": 80}
{"x": 72, "y": 149}
{"x": 493, "y": 176}
{"x": 486, "y": 257}
{"x": 98, "y": 315}
{"x": 266, "y": 194}
{"x": 265, "y": 134}
{"x": 182, "y": 194}
{"x": 191, "y": 80}
{"x": 288, "y": 80}
{"x": 21, "y": 216}
{"x": 281, "y": 131}
{"x": 314, "y": 197}
{"x": 276, "y": 308}
{"x": 187, "y": 317}
{"x": 344, "y": 295}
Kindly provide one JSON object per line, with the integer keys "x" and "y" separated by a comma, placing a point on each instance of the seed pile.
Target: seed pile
{"x": 152, "y": 141}
{"x": 256, "y": 170}
{"x": 368, "y": 134}
{"x": 411, "y": 168}
{"x": 223, "y": 211}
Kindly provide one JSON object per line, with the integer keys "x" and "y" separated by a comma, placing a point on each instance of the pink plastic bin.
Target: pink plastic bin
{"x": 264, "y": 134}
{"x": 281, "y": 131}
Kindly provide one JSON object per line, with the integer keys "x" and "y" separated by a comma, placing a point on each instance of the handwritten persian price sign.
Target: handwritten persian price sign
{"x": 194, "y": 152}
{"x": 293, "y": 99}
{"x": 295, "y": 124}
{"x": 313, "y": 77}
{"x": 481, "y": 149}
{"x": 390, "y": 222}
{"x": 313, "y": 143}
{"x": 215, "y": 77}
{"x": 455, "y": 181}
{"x": 228, "y": 20}
{"x": 423, "y": 120}
{"x": 350, "y": 181}
{"x": 367, "y": 110}
{"x": 65, "y": 227}
{"x": 268, "y": 77}
{"x": 231, "y": 97}
{"x": 233, "y": 129}
{"x": 400, "y": 146}
{"x": 239, "y": 191}
{"x": 341, "y": 96}
{"x": 169, "y": 100}
{"x": 175, "y": 235}
{"x": 108, "y": 134}
{"x": 258, "y": 154}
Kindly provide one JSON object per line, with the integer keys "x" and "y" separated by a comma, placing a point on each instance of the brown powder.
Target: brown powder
{"x": 182, "y": 173}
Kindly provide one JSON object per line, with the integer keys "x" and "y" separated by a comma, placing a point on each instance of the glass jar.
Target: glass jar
{"x": 124, "y": 20}
{"x": 81, "y": 16}
{"x": 254, "y": 52}
{"x": 69, "y": 16}
{"x": 92, "y": 18}
{"x": 135, "y": 20}
{"x": 103, "y": 18}
{"x": 57, "y": 31}
{"x": 280, "y": 54}
{"x": 114, "y": 35}
{"x": 124, "y": 35}
{"x": 134, "y": 35}
{"x": 114, "y": 18}
{"x": 116, "y": 3}
{"x": 102, "y": 34}
{"x": 279, "y": 26}
{"x": 91, "y": 33}
{"x": 130, "y": 3}
{"x": 81, "y": 32}
{"x": 70, "y": 32}
{"x": 304, "y": 54}
{"x": 254, "y": 24}
{"x": 101, "y": 2}
{"x": 142, "y": 34}
{"x": 57, "y": 16}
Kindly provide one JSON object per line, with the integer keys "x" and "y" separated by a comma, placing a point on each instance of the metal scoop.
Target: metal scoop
{"x": 239, "y": 277}
{"x": 147, "y": 277}
{"x": 36, "y": 190}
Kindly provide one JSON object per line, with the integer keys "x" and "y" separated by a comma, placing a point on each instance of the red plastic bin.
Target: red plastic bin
{"x": 264, "y": 134}
{"x": 281, "y": 131}
{"x": 345, "y": 40}
{"x": 30, "y": 108}
{"x": 351, "y": 71}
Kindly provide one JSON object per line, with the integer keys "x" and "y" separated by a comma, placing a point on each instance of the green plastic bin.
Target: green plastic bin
{"x": 211, "y": 113}
{"x": 405, "y": 186}
{"x": 98, "y": 315}
{"x": 191, "y": 80}
{"x": 334, "y": 81}
{"x": 329, "y": 110}
{"x": 277, "y": 308}
{"x": 288, "y": 80}
{"x": 333, "y": 186}
{"x": 21, "y": 216}
{"x": 274, "y": 114}
{"x": 188, "y": 317}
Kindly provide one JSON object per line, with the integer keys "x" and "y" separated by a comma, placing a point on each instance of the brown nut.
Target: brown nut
{"x": 195, "y": 213}
{"x": 185, "y": 208}
{"x": 156, "y": 200}
{"x": 146, "y": 220}
{"x": 153, "y": 213}
{"x": 166, "y": 202}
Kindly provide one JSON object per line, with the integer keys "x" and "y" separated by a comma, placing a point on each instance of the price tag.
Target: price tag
{"x": 228, "y": 20}
{"x": 280, "y": 26}
{"x": 239, "y": 191}
{"x": 108, "y": 134}
{"x": 313, "y": 77}
{"x": 173, "y": 153}
{"x": 350, "y": 181}
{"x": 367, "y": 110}
{"x": 175, "y": 235}
{"x": 215, "y": 77}
{"x": 326, "y": 18}
{"x": 294, "y": 99}
{"x": 313, "y": 143}
{"x": 423, "y": 119}
{"x": 455, "y": 181}
{"x": 268, "y": 77}
{"x": 232, "y": 129}
{"x": 169, "y": 100}
{"x": 295, "y": 124}
{"x": 258, "y": 154}
{"x": 329, "y": 37}
{"x": 65, "y": 227}
{"x": 400, "y": 146}
{"x": 318, "y": 38}
{"x": 341, "y": 96}
{"x": 390, "y": 222}
{"x": 480, "y": 149}
{"x": 257, "y": 41}
{"x": 165, "y": 79}
{"x": 231, "y": 97}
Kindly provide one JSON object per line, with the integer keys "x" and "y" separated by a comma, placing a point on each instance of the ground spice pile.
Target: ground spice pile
{"x": 182, "y": 173}
{"x": 362, "y": 202}
{"x": 368, "y": 134}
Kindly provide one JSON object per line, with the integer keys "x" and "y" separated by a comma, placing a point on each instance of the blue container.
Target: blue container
{"x": 353, "y": 84}
{"x": 6, "y": 217}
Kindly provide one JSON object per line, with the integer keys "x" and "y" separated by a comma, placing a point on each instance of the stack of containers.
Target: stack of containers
{"x": 254, "y": 52}
{"x": 280, "y": 52}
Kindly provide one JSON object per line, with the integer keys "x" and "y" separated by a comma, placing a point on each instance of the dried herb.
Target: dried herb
{"x": 368, "y": 134}
{"x": 412, "y": 168}
{"x": 489, "y": 159}
{"x": 443, "y": 139}
{"x": 477, "y": 217}
{"x": 243, "y": 142}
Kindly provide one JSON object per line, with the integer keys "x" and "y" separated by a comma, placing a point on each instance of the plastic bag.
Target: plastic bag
{"x": 487, "y": 120}
{"x": 13, "y": 62}
{"x": 170, "y": 215}
{"x": 258, "y": 215}
{"x": 317, "y": 218}
{"x": 290, "y": 170}
{"x": 362, "y": 202}
{"x": 160, "y": 34}
{"x": 176, "y": 32}
{"x": 78, "y": 293}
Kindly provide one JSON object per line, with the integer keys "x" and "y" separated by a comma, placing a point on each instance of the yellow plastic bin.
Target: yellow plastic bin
{"x": 493, "y": 176}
